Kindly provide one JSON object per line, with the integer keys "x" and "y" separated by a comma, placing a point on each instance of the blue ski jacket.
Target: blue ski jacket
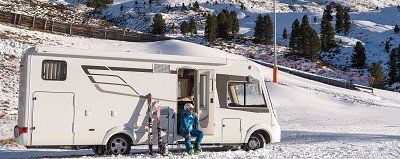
{"x": 187, "y": 121}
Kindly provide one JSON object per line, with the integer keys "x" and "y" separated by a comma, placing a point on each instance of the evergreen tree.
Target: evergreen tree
{"x": 258, "y": 29}
{"x": 294, "y": 36}
{"x": 210, "y": 32}
{"x": 234, "y": 21}
{"x": 387, "y": 46}
{"x": 346, "y": 21}
{"x": 327, "y": 15}
{"x": 159, "y": 26}
{"x": 268, "y": 29}
{"x": 136, "y": 2}
{"x": 98, "y": 6}
{"x": 150, "y": 2}
{"x": 394, "y": 66}
{"x": 315, "y": 19}
{"x": 359, "y": 57}
{"x": 376, "y": 72}
{"x": 309, "y": 42}
{"x": 192, "y": 26}
{"x": 327, "y": 35}
{"x": 196, "y": 6}
{"x": 339, "y": 19}
{"x": 184, "y": 28}
{"x": 242, "y": 6}
{"x": 184, "y": 7}
{"x": 223, "y": 26}
{"x": 284, "y": 34}
{"x": 397, "y": 29}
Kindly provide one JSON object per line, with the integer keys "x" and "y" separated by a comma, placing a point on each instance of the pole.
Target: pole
{"x": 275, "y": 69}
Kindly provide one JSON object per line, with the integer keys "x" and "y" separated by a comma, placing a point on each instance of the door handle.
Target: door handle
{"x": 33, "y": 128}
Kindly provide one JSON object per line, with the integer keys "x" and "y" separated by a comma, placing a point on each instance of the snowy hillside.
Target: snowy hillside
{"x": 317, "y": 120}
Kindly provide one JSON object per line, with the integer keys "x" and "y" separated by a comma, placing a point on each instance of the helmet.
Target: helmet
{"x": 187, "y": 106}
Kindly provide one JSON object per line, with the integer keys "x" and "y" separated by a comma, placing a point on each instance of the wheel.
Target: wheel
{"x": 99, "y": 150}
{"x": 256, "y": 141}
{"x": 119, "y": 145}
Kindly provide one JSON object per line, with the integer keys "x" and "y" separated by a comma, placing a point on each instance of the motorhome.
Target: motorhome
{"x": 98, "y": 99}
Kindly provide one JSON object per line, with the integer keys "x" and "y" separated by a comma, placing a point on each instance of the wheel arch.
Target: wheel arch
{"x": 264, "y": 130}
{"x": 128, "y": 132}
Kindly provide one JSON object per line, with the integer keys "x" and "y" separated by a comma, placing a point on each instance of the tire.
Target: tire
{"x": 256, "y": 141}
{"x": 99, "y": 150}
{"x": 118, "y": 145}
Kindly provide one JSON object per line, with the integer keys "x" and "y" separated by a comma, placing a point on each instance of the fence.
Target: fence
{"x": 41, "y": 24}
{"x": 326, "y": 80}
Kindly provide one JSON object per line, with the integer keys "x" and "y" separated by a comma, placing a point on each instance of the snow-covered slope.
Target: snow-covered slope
{"x": 317, "y": 120}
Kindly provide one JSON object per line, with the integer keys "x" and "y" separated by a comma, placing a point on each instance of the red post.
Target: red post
{"x": 275, "y": 74}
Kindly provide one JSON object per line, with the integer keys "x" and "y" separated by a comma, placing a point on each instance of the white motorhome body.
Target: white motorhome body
{"x": 73, "y": 97}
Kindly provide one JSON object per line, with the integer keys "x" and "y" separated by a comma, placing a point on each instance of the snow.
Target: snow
{"x": 317, "y": 120}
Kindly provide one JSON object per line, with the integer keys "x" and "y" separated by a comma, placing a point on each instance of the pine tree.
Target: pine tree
{"x": 328, "y": 13}
{"x": 284, "y": 34}
{"x": 196, "y": 6}
{"x": 234, "y": 21}
{"x": 192, "y": 26}
{"x": 376, "y": 72}
{"x": 184, "y": 28}
{"x": 184, "y": 7}
{"x": 223, "y": 26}
{"x": 346, "y": 21}
{"x": 294, "y": 36}
{"x": 394, "y": 66}
{"x": 268, "y": 29}
{"x": 159, "y": 26}
{"x": 397, "y": 29}
{"x": 309, "y": 42}
{"x": 327, "y": 35}
{"x": 258, "y": 29}
{"x": 359, "y": 57}
{"x": 210, "y": 32}
{"x": 339, "y": 18}
{"x": 387, "y": 46}
{"x": 242, "y": 6}
{"x": 98, "y": 6}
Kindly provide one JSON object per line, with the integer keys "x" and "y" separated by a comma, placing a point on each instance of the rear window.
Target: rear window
{"x": 54, "y": 70}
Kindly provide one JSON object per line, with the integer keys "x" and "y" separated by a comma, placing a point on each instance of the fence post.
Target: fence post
{"x": 33, "y": 22}
{"x": 105, "y": 34}
{"x": 70, "y": 29}
{"x": 19, "y": 19}
{"x": 90, "y": 32}
{"x": 15, "y": 18}
{"x": 52, "y": 25}
{"x": 45, "y": 24}
{"x": 140, "y": 40}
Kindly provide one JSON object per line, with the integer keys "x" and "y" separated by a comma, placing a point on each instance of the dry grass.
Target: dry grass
{"x": 9, "y": 141}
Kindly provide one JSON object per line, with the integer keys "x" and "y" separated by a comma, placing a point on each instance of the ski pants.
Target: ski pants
{"x": 199, "y": 136}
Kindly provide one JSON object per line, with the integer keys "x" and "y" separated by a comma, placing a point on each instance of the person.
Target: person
{"x": 188, "y": 118}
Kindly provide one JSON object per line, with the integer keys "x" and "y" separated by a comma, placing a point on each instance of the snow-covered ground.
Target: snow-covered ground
{"x": 317, "y": 120}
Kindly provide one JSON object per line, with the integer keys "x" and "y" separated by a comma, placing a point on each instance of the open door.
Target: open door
{"x": 205, "y": 105}
{"x": 52, "y": 120}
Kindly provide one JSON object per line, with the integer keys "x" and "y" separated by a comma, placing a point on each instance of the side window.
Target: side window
{"x": 242, "y": 94}
{"x": 54, "y": 70}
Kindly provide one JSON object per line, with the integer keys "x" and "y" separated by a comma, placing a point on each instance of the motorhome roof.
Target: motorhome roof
{"x": 169, "y": 50}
